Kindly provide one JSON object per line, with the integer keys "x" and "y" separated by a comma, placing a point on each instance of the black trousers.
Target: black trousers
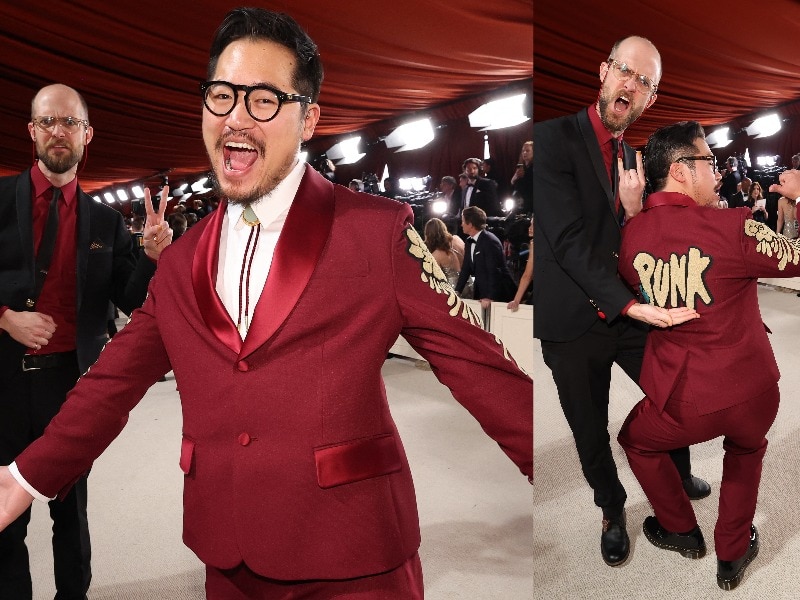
{"x": 28, "y": 401}
{"x": 581, "y": 370}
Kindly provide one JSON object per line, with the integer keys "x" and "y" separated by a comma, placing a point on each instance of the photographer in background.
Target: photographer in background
{"x": 137, "y": 233}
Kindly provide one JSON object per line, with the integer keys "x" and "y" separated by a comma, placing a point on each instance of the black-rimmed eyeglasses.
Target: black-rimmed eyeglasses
{"x": 623, "y": 72}
{"x": 68, "y": 124}
{"x": 710, "y": 159}
{"x": 261, "y": 101}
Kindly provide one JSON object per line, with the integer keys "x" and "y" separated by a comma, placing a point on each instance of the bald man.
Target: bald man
{"x": 63, "y": 258}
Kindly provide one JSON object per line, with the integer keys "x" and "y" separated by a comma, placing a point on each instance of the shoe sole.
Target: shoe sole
{"x": 693, "y": 553}
{"x": 706, "y": 495}
{"x": 729, "y": 584}
{"x": 618, "y": 563}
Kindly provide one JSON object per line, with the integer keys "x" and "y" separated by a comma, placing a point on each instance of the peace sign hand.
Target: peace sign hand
{"x": 156, "y": 234}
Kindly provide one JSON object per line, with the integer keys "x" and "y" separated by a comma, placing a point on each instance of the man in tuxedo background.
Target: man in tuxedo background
{"x": 296, "y": 482}
{"x": 585, "y": 316}
{"x": 479, "y": 191}
{"x": 484, "y": 259}
{"x": 53, "y": 316}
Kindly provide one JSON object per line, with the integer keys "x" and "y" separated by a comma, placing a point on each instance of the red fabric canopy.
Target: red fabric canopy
{"x": 139, "y": 65}
{"x": 723, "y": 63}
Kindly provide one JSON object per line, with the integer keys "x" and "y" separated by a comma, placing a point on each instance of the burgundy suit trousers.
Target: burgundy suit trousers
{"x": 649, "y": 434}
{"x": 240, "y": 583}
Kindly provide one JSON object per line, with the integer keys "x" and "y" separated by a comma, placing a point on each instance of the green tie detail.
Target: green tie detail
{"x": 249, "y": 216}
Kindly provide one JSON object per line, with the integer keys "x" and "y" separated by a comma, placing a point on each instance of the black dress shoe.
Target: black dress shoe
{"x": 730, "y": 572}
{"x": 696, "y": 488}
{"x": 690, "y": 545}
{"x": 614, "y": 542}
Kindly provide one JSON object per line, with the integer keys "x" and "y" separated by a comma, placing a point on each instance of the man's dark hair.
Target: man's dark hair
{"x": 474, "y": 161}
{"x": 261, "y": 24}
{"x": 475, "y": 216}
{"x": 665, "y": 146}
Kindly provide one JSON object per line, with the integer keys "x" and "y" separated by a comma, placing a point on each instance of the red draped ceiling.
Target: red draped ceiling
{"x": 138, "y": 65}
{"x": 724, "y": 62}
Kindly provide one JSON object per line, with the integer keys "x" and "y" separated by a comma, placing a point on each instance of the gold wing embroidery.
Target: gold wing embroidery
{"x": 433, "y": 275}
{"x": 770, "y": 243}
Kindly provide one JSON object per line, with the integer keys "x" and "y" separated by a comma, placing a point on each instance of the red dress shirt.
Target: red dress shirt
{"x": 59, "y": 294}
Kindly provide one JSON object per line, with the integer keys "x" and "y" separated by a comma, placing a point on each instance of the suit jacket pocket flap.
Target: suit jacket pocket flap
{"x": 356, "y": 460}
{"x": 187, "y": 452}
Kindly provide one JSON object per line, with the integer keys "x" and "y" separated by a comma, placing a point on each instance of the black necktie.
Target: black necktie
{"x": 47, "y": 243}
{"x": 614, "y": 171}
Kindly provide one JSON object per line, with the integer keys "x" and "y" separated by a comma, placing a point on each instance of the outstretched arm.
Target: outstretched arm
{"x": 789, "y": 184}
{"x": 14, "y": 500}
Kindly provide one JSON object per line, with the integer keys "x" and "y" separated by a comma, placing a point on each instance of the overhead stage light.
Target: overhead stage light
{"x": 108, "y": 197}
{"x": 497, "y": 114}
{"x": 122, "y": 195}
{"x": 346, "y": 152}
{"x": 138, "y": 191}
{"x": 719, "y": 138}
{"x": 765, "y": 126}
{"x": 199, "y": 186}
{"x": 411, "y": 136}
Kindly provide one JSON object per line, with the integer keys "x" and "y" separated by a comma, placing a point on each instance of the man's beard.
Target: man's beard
{"x": 60, "y": 164}
{"x": 234, "y": 194}
{"x": 607, "y": 117}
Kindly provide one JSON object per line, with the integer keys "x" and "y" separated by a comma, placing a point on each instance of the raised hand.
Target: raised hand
{"x": 789, "y": 184}
{"x": 156, "y": 233}
{"x": 631, "y": 186}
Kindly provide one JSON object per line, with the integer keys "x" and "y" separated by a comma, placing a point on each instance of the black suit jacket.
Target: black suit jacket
{"x": 492, "y": 278}
{"x": 107, "y": 268}
{"x": 484, "y": 196}
{"x": 577, "y": 232}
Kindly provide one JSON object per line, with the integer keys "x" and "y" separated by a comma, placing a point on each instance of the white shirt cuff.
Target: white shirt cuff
{"x": 12, "y": 468}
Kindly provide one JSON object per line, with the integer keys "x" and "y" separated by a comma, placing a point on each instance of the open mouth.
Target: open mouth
{"x": 622, "y": 103}
{"x": 238, "y": 156}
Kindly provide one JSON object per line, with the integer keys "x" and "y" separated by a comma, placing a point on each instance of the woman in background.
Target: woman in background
{"x": 527, "y": 275}
{"x": 757, "y": 203}
{"x": 787, "y": 217}
{"x": 447, "y": 249}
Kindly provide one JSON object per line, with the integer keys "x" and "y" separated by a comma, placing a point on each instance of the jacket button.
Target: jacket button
{"x": 244, "y": 439}
{"x": 243, "y": 366}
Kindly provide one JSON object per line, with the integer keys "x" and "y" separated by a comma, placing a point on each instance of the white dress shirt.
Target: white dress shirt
{"x": 271, "y": 211}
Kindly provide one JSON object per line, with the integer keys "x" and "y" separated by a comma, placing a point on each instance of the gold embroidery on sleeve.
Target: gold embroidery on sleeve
{"x": 770, "y": 243}
{"x": 433, "y": 275}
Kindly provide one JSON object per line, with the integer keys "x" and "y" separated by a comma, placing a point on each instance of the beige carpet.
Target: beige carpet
{"x": 567, "y": 563}
{"x": 475, "y": 506}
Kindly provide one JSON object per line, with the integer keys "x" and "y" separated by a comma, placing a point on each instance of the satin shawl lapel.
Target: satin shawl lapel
{"x": 204, "y": 276}
{"x": 299, "y": 248}
{"x": 25, "y": 220}
{"x": 599, "y": 165}
{"x": 82, "y": 258}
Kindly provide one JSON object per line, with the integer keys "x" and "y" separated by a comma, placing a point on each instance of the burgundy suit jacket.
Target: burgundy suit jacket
{"x": 292, "y": 460}
{"x": 676, "y": 253}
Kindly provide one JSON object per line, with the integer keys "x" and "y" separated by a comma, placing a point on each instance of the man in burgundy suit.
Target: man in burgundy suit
{"x": 296, "y": 482}
{"x": 681, "y": 251}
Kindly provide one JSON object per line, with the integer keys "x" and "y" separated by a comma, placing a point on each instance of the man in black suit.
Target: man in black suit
{"x": 480, "y": 192}
{"x": 584, "y": 315}
{"x": 484, "y": 259}
{"x": 63, "y": 258}
{"x": 451, "y": 193}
